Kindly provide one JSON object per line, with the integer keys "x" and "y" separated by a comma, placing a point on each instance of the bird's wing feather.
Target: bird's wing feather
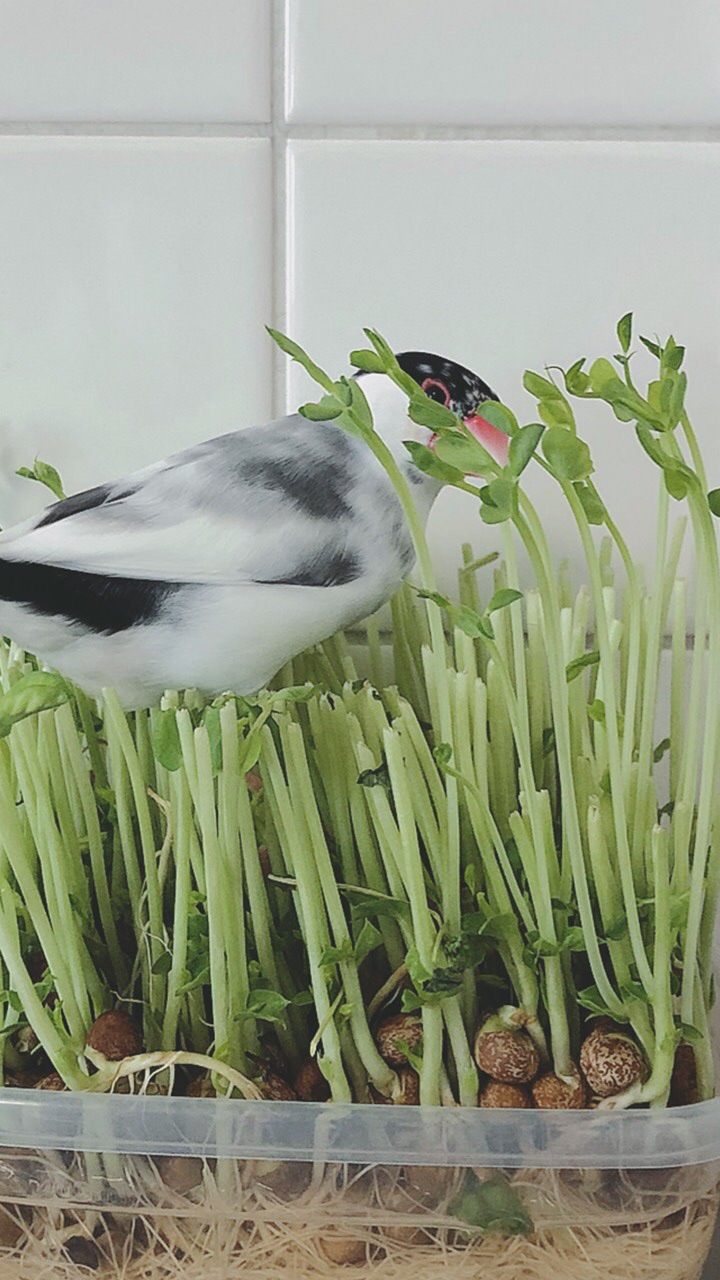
{"x": 267, "y": 504}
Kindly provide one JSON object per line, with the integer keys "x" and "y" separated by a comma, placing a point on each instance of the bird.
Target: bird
{"x": 214, "y": 567}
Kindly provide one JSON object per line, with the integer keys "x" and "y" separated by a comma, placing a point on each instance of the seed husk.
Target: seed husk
{"x": 395, "y": 1031}
{"x": 407, "y": 1093}
{"x": 612, "y": 1062}
{"x": 274, "y": 1088}
{"x": 115, "y": 1035}
{"x": 506, "y": 1055}
{"x": 497, "y": 1094}
{"x": 550, "y": 1093}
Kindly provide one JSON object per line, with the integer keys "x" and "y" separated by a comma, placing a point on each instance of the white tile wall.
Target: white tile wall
{"x": 154, "y": 60}
{"x": 519, "y": 62}
{"x": 134, "y": 279}
{"x": 497, "y": 180}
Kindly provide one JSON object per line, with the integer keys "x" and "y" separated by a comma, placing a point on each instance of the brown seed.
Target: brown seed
{"x": 254, "y": 781}
{"x": 347, "y": 1250}
{"x": 200, "y": 1087}
{"x": 612, "y": 1062}
{"x": 550, "y": 1093}
{"x": 180, "y": 1173}
{"x": 52, "y": 1083}
{"x": 507, "y": 1056}
{"x": 684, "y": 1086}
{"x": 309, "y": 1082}
{"x": 274, "y": 1088}
{"x": 396, "y": 1030}
{"x": 115, "y": 1035}
{"x": 496, "y": 1094}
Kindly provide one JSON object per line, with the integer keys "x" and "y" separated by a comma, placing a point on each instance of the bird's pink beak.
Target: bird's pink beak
{"x": 495, "y": 441}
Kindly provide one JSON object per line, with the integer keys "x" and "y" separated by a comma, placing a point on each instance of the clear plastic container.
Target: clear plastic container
{"x": 154, "y": 1187}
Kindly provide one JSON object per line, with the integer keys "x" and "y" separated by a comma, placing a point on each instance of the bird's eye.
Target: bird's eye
{"x": 436, "y": 390}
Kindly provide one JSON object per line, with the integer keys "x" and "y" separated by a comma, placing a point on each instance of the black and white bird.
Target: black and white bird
{"x": 214, "y": 567}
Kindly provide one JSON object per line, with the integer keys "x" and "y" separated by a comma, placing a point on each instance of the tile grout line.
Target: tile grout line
{"x": 279, "y": 264}
{"x": 278, "y": 130}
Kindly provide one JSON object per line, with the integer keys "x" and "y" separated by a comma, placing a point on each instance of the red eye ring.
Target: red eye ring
{"x": 435, "y": 382}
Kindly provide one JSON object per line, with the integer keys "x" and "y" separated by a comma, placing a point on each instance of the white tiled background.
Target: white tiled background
{"x": 495, "y": 180}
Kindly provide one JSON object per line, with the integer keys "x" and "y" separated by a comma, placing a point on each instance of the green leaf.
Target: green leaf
{"x": 676, "y": 484}
{"x": 359, "y": 403}
{"x": 501, "y": 493}
{"x": 624, "y": 331}
{"x": 714, "y": 501}
{"x": 541, "y": 388}
{"x": 428, "y": 413}
{"x": 602, "y": 375}
{"x": 331, "y": 956}
{"x": 591, "y": 502}
{"x": 652, "y": 347}
{"x": 574, "y": 668}
{"x": 491, "y": 1206}
{"x": 367, "y": 906}
{"x": 523, "y": 445}
{"x": 368, "y": 361}
{"x": 661, "y": 750}
{"x": 596, "y": 711}
{"x": 368, "y": 940}
{"x": 163, "y": 964}
{"x": 577, "y": 383}
{"x": 466, "y": 454}
{"x": 634, "y": 992}
{"x": 673, "y": 354}
{"x": 617, "y": 930}
{"x": 296, "y": 353}
{"x": 166, "y": 741}
{"x": 427, "y": 460}
{"x": 567, "y": 455}
{"x": 45, "y": 474}
{"x": 690, "y": 1034}
{"x": 502, "y": 598}
{"x": 591, "y": 999}
{"x": 556, "y": 413}
{"x": 499, "y": 416}
{"x": 211, "y": 721}
{"x": 324, "y": 410}
{"x": 443, "y": 754}
{"x": 266, "y": 1005}
{"x": 471, "y": 623}
{"x": 37, "y": 691}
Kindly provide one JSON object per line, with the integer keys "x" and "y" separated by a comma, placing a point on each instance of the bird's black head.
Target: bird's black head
{"x": 445, "y": 381}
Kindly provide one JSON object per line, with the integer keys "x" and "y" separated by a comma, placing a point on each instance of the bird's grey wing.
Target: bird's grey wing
{"x": 269, "y": 504}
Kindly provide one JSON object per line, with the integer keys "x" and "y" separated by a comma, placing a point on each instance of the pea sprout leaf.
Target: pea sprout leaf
{"x": 502, "y": 598}
{"x": 499, "y": 416}
{"x": 568, "y": 457}
{"x": 427, "y": 461}
{"x": 653, "y": 347}
{"x": 45, "y": 474}
{"x": 577, "y": 665}
{"x": 624, "y": 331}
{"x": 367, "y": 361}
{"x": 34, "y": 692}
{"x": 166, "y": 740}
{"x": 523, "y": 445}
{"x": 541, "y": 388}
